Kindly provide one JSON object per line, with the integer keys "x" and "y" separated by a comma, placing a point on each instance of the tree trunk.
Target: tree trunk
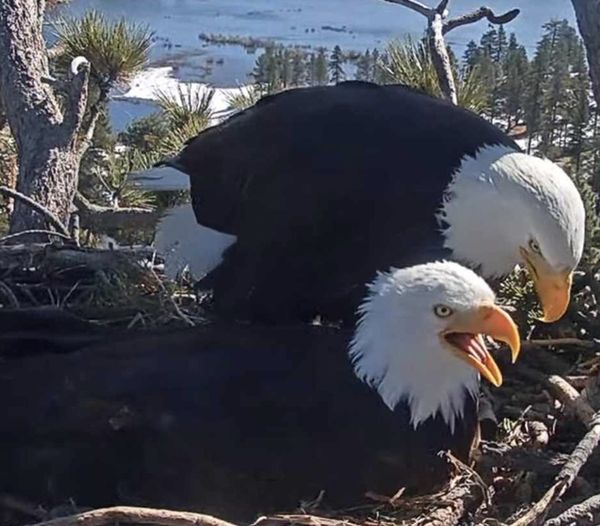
{"x": 440, "y": 58}
{"x": 588, "y": 20}
{"x": 46, "y": 138}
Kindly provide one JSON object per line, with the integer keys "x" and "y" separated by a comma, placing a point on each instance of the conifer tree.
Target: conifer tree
{"x": 298, "y": 68}
{"x": 364, "y": 70}
{"x": 471, "y": 55}
{"x": 320, "y": 68}
{"x": 515, "y": 68}
{"x": 284, "y": 60}
{"x": 578, "y": 113}
{"x": 336, "y": 65}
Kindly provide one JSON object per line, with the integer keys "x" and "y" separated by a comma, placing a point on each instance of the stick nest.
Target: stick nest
{"x": 539, "y": 465}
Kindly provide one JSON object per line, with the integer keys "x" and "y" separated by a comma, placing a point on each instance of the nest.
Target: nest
{"x": 540, "y": 468}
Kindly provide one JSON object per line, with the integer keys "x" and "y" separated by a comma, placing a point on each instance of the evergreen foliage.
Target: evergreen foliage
{"x": 410, "y": 63}
{"x": 336, "y": 67}
{"x": 115, "y": 50}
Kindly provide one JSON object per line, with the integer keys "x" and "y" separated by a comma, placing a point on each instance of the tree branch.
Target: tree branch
{"x": 569, "y": 396}
{"x": 442, "y": 6}
{"x": 440, "y": 57}
{"x": 77, "y": 97}
{"x": 37, "y": 207}
{"x": 582, "y": 510}
{"x": 131, "y": 515}
{"x": 95, "y": 111}
{"x": 475, "y": 16}
{"x": 415, "y": 6}
{"x": 11, "y": 237}
{"x": 103, "y": 218}
{"x": 565, "y": 477}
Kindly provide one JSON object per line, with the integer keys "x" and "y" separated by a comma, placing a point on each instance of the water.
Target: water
{"x": 352, "y": 24}
{"x": 123, "y": 112}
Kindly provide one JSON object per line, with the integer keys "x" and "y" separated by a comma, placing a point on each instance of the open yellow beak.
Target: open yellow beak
{"x": 553, "y": 288}
{"x": 464, "y": 335}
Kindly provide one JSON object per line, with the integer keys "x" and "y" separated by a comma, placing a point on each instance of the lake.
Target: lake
{"x": 352, "y": 24}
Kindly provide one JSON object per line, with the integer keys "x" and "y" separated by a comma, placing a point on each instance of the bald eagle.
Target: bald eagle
{"x": 236, "y": 419}
{"x": 303, "y": 196}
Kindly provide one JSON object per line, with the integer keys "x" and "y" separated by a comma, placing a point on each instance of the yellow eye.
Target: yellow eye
{"x": 535, "y": 247}
{"x": 442, "y": 311}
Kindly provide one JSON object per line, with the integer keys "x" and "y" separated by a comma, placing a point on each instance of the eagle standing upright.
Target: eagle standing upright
{"x": 303, "y": 196}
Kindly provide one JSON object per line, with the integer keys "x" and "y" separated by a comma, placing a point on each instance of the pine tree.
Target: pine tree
{"x": 299, "y": 72}
{"x": 471, "y": 55}
{"x": 336, "y": 65}
{"x": 364, "y": 68}
{"x": 284, "y": 59}
{"x": 561, "y": 48}
{"x": 377, "y": 71}
{"x": 501, "y": 45}
{"x": 533, "y": 96}
{"x": 266, "y": 68}
{"x": 578, "y": 105}
{"x": 311, "y": 73}
{"x": 487, "y": 43}
{"x": 515, "y": 68}
{"x": 488, "y": 60}
{"x": 320, "y": 68}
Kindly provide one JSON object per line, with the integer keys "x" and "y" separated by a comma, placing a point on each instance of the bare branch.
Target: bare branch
{"x": 37, "y": 207}
{"x": 560, "y": 342}
{"x": 565, "y": 477}
{"x": 11, "y": 255}
{"x": 442, "y": 6}
{"x": 95, "y": 112}
{"x": 415, "y": 6}
{"x": 131, "y": 515}
{"x": 440, "y": 58}
{"x": 569, "y": 396}
{"x": 475, "y": 16}
{"x": 186, "y": 319}
{"x": 585, "y": 509}
{"x": 103, "y": 218}
{"x": 56, "y": 50}
{"x": 11, "y": 237}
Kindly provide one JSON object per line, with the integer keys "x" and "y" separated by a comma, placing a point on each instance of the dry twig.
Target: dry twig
{"x": 11, "y": 237}
{"x": 54, "y": 220}
{"x": 132, "y": 515}
{"x": 569, "y": 396}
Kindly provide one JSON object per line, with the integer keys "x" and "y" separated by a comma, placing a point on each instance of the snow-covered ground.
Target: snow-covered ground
{"x": 148, "y": 84}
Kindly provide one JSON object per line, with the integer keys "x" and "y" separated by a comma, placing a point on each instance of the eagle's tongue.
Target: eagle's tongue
{"x": 471, "y": 344}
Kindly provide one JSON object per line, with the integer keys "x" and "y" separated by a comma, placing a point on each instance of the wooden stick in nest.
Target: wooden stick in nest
{"x": 589, "y": 508}
{"x": 52, "y": 219}
{"x": 467, "y": 492}
{"x": 301, "y": 520}
{"x": 133, "y": 515}
{"x": 569, "y": 396}
{"x": 559, "y": 342}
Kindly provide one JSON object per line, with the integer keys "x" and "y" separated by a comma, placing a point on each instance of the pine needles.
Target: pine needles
{"x": 409, "y": 62}
{"x": 115, "y": 50}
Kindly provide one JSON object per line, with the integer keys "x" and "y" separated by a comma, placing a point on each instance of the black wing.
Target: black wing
{"x": 323, "y": 187}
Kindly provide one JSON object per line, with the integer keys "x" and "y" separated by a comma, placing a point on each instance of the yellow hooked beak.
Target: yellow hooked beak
{"x": 464, "y": 338}
{"x": 553, "y": 288}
